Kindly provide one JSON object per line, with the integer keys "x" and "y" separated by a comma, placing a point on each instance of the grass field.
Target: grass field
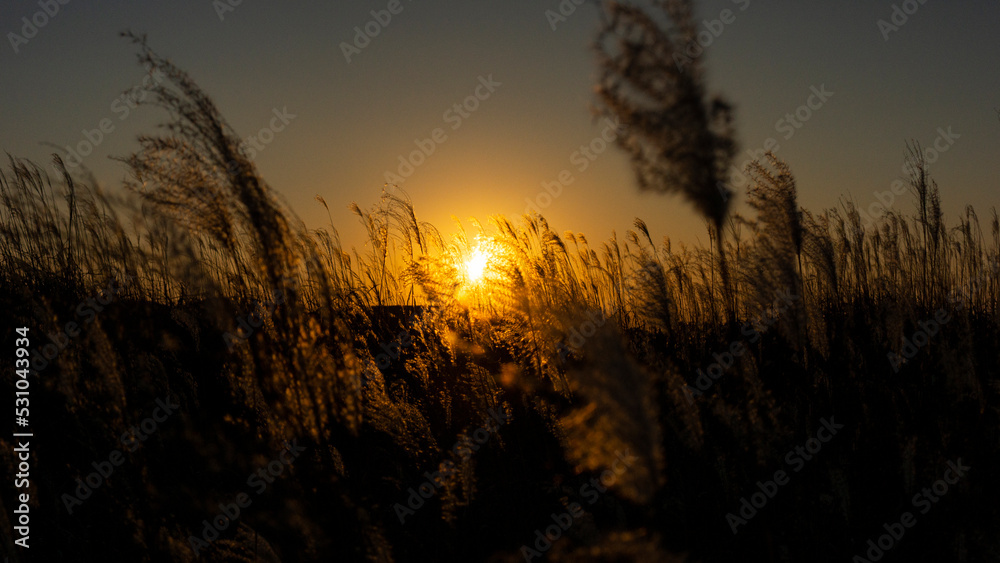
{"x": 212, "y": 380}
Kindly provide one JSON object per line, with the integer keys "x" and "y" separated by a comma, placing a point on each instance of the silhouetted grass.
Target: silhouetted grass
{"x": 205, "y": 243}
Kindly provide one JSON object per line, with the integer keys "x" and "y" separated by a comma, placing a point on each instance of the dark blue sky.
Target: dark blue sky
{"x": 354, "y": 120}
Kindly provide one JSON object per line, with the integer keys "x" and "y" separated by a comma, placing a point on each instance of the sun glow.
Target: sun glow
{"x": 476, "y": 265}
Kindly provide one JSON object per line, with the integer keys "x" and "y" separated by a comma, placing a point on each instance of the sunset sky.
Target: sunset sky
{"x": 353, "y": 120}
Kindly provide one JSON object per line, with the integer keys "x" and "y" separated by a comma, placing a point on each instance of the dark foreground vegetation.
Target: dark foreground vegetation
{"x": 379, "y": 405}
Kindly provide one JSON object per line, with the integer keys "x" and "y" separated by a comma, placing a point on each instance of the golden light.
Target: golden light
{"x": 476, "y": 265}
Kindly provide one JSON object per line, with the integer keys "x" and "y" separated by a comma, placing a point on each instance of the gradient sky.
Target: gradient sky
{"x": 353, "y": 120}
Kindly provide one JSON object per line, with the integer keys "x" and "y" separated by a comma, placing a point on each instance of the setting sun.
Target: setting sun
{"x": 475, "y": 265}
